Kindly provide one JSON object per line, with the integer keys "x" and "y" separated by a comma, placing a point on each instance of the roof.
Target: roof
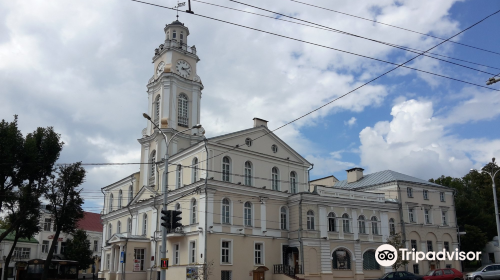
{"x": 176, "y": 22}
{"x": 90, "y": 222}
{"x": 12, "y": 235}
{"x": 382, "y": 177}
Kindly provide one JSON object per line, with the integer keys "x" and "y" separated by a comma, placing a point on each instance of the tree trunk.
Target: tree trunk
{"x": 50, "y": 254}
{"x": 9, "y": 256}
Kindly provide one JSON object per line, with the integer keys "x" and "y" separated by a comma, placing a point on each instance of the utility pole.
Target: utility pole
{"x": 492, "y": 80}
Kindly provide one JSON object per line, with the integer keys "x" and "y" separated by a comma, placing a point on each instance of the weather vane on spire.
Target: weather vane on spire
{"x": 177, "y": 7}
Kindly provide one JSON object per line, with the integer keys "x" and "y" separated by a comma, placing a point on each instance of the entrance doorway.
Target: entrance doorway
{"x": 258, "y": 275}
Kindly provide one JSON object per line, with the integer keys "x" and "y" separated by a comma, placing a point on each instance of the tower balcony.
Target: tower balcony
{"x": 174, "y": 44}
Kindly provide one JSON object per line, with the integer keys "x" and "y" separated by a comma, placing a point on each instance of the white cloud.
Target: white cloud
{"x": 350, "y": 122}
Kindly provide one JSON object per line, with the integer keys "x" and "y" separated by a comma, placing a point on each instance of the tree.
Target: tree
{"x": 63, "y": 195}
{"x": 78, "y": 249}
{"x": 204, "y": 272}
{"x": 474, "y": 239}
{"x": 396, "y": 241}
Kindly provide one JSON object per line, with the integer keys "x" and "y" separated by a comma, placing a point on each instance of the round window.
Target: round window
{"x": 274, "y": 148}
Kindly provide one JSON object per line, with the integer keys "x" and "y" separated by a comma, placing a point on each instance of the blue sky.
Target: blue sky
{"x": 82, "y": 68}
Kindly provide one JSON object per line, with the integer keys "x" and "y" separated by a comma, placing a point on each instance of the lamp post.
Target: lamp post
{"x": 163, "y": 250}
{"x": 492, "y": 174}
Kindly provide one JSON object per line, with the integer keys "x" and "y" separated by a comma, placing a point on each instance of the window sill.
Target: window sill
{"x": 226, "y": 264}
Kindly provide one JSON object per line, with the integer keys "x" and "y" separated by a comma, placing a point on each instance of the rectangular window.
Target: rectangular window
{"x": 96, "y": 245}
{"x": 441, "y": 196}
{"x": 445, "y": 220}
{"x": 139, "y": 257}
{"x": 192, "y": 252}
{"x": 259, "y": 253}
{"x": 225, "y": 252}
{"x": 415, "y": 269}
{"x": 226, "y": 275}
{"x": 411, "y": 216}
{"x": 108, "y": 261}
{"x": 448, "y": 266}
{"x": 63, "y": 247}
{"x": 55, "y": 249}
{"x": 427, "y": 216}
{"x": 426, "y": 194}
{"x": 45, "y": 246}
{"x": 22, "y": 253}
{"x": 429, "y": 246}
{"x": 447, "y": 246}
{"x": 409, "y": 191}
{"x": 414, "y": 244}
{"x": 176, "y": 254}
{"x": 46, "y": 225}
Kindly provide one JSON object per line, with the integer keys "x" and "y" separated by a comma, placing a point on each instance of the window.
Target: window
{"x": 426, "y": 194}
{"x": 119, "y": 227}
{"x": 176, "y": 254}
{"x": 193, "y": 211}
{"x": 139, "y": 256}
{"x": 226, "y": 275}
{"x": 361, "y": 224}
{"x": 248, "y": 142}
{"x": 447, "y": 246}
{"x": 63, "y": 247}
{"x": 293, "y": 182}
{"x": 45, "y": 246}
{"x": 392, "y": 226}
{"x": 441, "y": 196}
{"x": 145, "y": 225}
{"x": 427, "y": 216}
{"x": 275, "y": 179}
{"x": 178, "y": 177}
{"x": 283, "y": 217}
{"x": 130, "y": 194}
{"x": 414, "y": 244}
{"x": 47, "y": 224}
{"x": 152, "y": 160}
{"x": 248, "y": 173}
{"x": 96, "y": 245}
{"x": 183, "y": 111}
{"x": 110, "y": 202}
{"x": 341, "y": 259}
{"x": 178, "y": 206}
{"x": 429, "y": 246}
{"x": 192, "y": 252}
{"x": 369, "y": 262}
{"x": 109, "y": 231}
{"x": 415, "y": 269}
{"x": 248, "y": 214}
{"x": 174, "y": 34}
{"x": 411, "y": 215}
{"x": 120, "y": 196}
{"x": 274, "y": 148}
{"x": 194, "y": 170}
{"x": 409, "y": 191}
{"x": 55, "y": 249}
{"x": 259, "y": 252}
{"x": 310, "y": 220}
{"x": 374, "y": 225}
{"x": 108, "y": 261}
{"x": 445, "y": 220}
{"x": 225, "y": 252}
{"x": 226, "y": 169}
{"x": 157, "y": 110}
{"x": 226, "y": 213}
{"x": 331, "y": 222}
{"x": 345, "y": 223}
{"x": 182, "y": 37}
{"x": 129, "y": 225}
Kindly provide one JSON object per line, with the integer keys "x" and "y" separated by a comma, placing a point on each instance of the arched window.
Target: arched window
{"x": 182, "y": 37}
{"x": 119, "y": 227}
{"x": 369, "y": 261}
{"x": 226, "y": 169}
{"x": 392, "y": 226}
{"x": 361, "y": 224}
{"x": 284, "y": 217}
{"x": 110, "y": 231}
{"x": 178, "y": 207}
{"x": 194, "y": 175}
{"x": 129, "y": 225}
{"x": 331, "y": 222}
{"x": 341, "y": 259}
{"x": 178, "y": 177}
{"x": 174, "y": 34}
{"x": 374, "y": 225}
{"x": 120, "y": 196}
{"x": 248, "y": 214}
{"x": 310, "y": 219}
{"x": 293, "y": 182}
{"x": 226, "y": 211}
{"x": 152, "y": 167}
{"x": 248, "y": 173}
{"x": 110, "y": 202}
{"x": 345, "y": 223}
{"x": 145, "y": 225}
{"x": 157, "y": 110}
{"x": 182, "y": 113}
{"x": 130, "y": 194}
{"x": 275, "y": 178}
{"x": 193, "y": 211}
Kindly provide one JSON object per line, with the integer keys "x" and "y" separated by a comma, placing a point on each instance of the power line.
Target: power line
{"x": 409, "y": 30}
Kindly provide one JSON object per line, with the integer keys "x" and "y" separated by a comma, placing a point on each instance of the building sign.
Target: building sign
{"x": 191, "y": 273}
{"x": 137, "y": 265}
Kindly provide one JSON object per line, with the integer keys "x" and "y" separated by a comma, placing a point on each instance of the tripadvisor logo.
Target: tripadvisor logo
{"x": 387, "y": 255}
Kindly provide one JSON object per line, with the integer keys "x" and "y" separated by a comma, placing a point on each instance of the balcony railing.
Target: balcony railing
{"x": 287, "y": 269}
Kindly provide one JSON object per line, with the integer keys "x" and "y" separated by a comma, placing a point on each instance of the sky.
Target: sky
{"x": 82, "y": 67}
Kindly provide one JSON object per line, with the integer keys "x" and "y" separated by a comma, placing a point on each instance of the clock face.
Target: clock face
{"x": 160, "y": 68}
{"x": 183, "y": 68}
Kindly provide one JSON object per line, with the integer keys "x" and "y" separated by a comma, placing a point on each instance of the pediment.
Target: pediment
{"x": 144, "y": 194}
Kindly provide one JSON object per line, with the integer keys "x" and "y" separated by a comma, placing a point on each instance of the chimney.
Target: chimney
{"x": 354, "y": 174}
{"x": 259, "y": 122}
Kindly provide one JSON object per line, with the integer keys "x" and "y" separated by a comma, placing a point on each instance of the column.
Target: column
{"x": 322, "y": 221}
{"x": 263, "y": 224}
{"x": 354, "y": 224}
{"x": 326, "y": 257}
{"x": 165, "y": 100}
{"x": 384, "y": 225}
{"x": 119, "y": 259}
{"x": 144, "y": 167}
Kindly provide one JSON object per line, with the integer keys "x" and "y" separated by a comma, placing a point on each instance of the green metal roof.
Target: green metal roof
{"x": 12, "y": 235}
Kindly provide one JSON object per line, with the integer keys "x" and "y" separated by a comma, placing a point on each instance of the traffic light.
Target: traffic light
{"x": 164, "y": 263}
{"x": 176, "y": 219}
{"x": 167, "y": 217}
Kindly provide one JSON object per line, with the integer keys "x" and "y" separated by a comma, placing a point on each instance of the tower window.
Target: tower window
{"x": 182, "y": 37}
{"x": 183, "y": 111}
{"x": 174, "y": 34}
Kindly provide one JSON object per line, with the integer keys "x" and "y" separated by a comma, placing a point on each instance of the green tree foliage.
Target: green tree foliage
{"x": 78, "y": 249}
{"x": 65, "y": 202}
{"x": 396, "y": 240}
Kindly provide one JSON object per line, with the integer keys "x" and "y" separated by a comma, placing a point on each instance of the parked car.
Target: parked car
{"x": 400, "y": 275}
{"x": 444, "y": 274}
{"x": 490, "y": 271}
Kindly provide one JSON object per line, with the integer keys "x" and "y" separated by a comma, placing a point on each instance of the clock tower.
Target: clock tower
{"x": 174, "y": 95}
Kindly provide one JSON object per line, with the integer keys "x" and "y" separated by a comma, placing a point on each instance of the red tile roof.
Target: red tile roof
{"x": 90, "y": 222}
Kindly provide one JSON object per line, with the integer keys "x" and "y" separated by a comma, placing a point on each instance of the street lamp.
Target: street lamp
{"x": 492, "y": 174}
{"x": 163, "y": 250}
